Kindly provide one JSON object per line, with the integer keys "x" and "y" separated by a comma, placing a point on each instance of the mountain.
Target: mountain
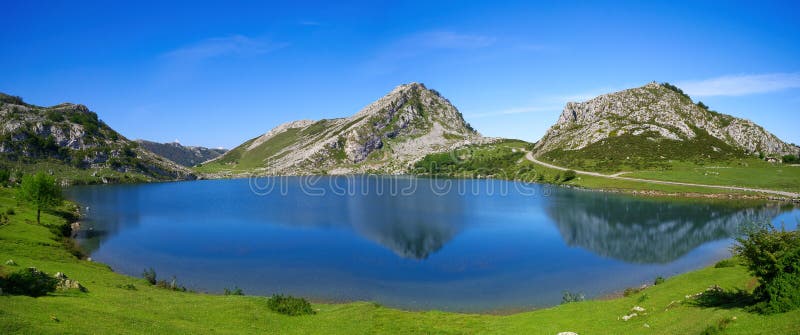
{"x": 70, "y": 140}
{"x": 649, "y": 126}
{"x": 387, "y": 136}
{"x": 184, "y": 155}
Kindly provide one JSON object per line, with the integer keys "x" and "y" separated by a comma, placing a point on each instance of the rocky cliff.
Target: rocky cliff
{"x": 386, "y": 136}
{"x": 73, "y": 137}
{"x": 184, "y": 155}
{"x": 662, "y": 115}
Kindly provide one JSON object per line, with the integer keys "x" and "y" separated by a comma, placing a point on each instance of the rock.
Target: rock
{"x": 646, "y": 325}
{"x": 654, "y": 109}
{"x": 629, "y": 316}
{"x": 638, "y": 309}
{"x": 11, "y": 262}
{"x": 567, "y": 333}
{"x": 387, "y": 136}
{"x": 64, "y": 283}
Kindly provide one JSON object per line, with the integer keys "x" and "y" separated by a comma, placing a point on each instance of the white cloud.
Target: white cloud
{"x": 734, "y": 85}
{"x": 236, "y": 45}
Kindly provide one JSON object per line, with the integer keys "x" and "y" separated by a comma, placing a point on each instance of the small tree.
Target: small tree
{"x": 5, "y": 176}
{"x": 569, "y": 175}
{"x": 41, "y": 190}
{"x": 773, "y": 256}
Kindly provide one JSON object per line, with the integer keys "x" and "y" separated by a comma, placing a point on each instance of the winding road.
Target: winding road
{"x": 529, "y": 156}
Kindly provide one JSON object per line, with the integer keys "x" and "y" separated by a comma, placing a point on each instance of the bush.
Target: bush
{"x": 718, "y": 328}
{"x": 30, "y": 282}
{"x": 10, "y": 211}
{"x": 790, "y": 159}
{"x": 659, "y": 280}
{"x": 772, "y": 256}
{"x": 725, "y": 263}
{"x": 633, "y": 290}
{"x": 569, "y": 297}
{"x": 150, "y": 276}
{"x": 5, "y": 176}
{"x": 568, "y": 175}
{"x": 289, "y": 305}
{"x": 234, "y": 291}
{"x": 171, "y": 285}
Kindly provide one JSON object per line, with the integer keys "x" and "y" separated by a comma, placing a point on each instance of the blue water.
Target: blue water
{"x": 457, "y": 245}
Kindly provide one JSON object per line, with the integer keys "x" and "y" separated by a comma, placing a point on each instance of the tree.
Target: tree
{"x": 772, "y": 256}
{"x": 569, "y": 175}
{"x": 41, "y": 190}
{"x": 5, "y": 176}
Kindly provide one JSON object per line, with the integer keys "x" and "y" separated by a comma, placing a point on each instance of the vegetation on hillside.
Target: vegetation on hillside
{"x": 644, "y": 151}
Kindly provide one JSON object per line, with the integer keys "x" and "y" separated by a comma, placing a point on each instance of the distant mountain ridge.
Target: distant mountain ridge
{"x": 387, "y": 136}
{"x": 184, "y": 155}
{"x": 72, "y": 138}
{"x": 653, "y": 123}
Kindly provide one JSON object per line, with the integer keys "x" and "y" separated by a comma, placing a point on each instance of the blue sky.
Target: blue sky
{"x": 218, "y": 74}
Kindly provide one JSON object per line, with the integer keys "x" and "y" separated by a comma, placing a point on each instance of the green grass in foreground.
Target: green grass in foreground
{"x": 118, "y": 304}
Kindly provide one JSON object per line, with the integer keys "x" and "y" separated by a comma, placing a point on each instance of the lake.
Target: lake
{"x": 412, "y": 243}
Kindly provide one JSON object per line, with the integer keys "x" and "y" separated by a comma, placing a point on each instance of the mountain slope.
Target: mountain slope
{"x": 71, "y": 140}
{"x": 184, "y": 155}
{"x": 386, "y": 136}
{"x": 647, "y": 127}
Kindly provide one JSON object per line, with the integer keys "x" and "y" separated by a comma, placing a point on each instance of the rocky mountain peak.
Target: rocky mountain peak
{"x": 404, "y": 125}
{"x": 654, "y": 111}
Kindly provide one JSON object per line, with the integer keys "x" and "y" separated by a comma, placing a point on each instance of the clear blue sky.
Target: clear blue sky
{"x": 218, "y": 74}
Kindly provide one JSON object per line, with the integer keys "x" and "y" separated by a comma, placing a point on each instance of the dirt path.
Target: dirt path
{"x": 529, "y": 156}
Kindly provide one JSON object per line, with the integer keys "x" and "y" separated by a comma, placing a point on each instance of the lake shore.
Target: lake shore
{"x": 110, "y": 305}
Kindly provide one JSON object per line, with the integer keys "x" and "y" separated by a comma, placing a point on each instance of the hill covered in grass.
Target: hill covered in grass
{"x": 71, "y": 141}
{"x": 651, "y": 127}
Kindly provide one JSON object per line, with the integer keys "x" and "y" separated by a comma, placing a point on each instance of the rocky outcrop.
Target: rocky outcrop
{"x": 386, "y": 136}
{"x": 184, "y": 155}
{"x": 74, "y": 136}
{"x": 659, "y": 111}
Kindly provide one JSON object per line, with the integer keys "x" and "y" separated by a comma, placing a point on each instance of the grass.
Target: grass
{"x": 119, "y": 304}
{"x": 746, "y": 173}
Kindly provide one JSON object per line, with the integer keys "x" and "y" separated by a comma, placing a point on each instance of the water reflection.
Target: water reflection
{"x": 642, "y": 230}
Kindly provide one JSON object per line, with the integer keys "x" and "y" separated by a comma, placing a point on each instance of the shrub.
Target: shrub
{"x": 10, "y": 211}
{"x": 790, "y": 159}
{"x": 234, "y": 291}
{"x": 718, "y": 328}
{"x": 772, "y": 256}
{"x": 171, "y": 285}
{"x": 632, "y": 290}
{"x": 289, "y": 305}
{"x": 659, "y": 280}
{"x": 725, "y": 263}
{"x": 568, "y": 175}
{"x": 5, "y": 176}
{"x": 30, "y": 282}
{"x": 568, "y": 297}
{"x": 150, "y": 276}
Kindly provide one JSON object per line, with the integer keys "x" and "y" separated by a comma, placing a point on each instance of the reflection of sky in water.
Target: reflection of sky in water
{"x": 467, "y": 252}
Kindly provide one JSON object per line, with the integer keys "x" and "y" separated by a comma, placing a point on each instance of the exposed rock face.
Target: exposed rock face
{"x": 184, "y": 155}
{"x": 73, "y": 135}
{"x": 386, "y": 136}
{"x": 654, "y": 109}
